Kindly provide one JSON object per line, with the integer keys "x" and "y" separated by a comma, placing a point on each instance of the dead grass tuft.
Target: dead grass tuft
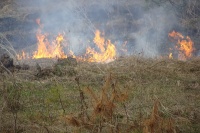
{"x": 158, "y": 124}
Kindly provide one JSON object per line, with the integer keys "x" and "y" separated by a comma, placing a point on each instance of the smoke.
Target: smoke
{"x": 152, "y": 36}
{"x": 145, "y": 30}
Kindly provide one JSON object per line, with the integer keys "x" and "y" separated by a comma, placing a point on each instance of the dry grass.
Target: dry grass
{"x": 76, "y": 102}
{"x": 59, "y": 103}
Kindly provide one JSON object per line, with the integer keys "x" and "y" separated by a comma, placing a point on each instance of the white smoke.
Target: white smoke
{"x": 145, "y": 30}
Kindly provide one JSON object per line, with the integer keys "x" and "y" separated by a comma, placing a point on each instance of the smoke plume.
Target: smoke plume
{"x": 145, "y": 30}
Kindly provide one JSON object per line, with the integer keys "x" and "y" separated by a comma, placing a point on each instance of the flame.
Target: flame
{"x": 71, "y": 54}
{"x": 170, "y": 56}
{"x": 107, "y": 50}
{"x": 46, "y": 49}
{"x": 99, "y": 41}
{"x": 184, "y": 45}
{"x": 22, "y": 56}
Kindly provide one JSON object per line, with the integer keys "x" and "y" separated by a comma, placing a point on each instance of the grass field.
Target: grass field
{"x": 131, "y": 94}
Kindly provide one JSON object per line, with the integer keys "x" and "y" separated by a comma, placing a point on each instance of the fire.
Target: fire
{"x": 46, "y": 49}
{"x": 170, "y": 56}
{"x": 99, "y": 41}
{"x": 22, "y": 56}
{"x": 71, "y": 54}
{"x": 184, "y": 45}
{"x": 107, "y": 50}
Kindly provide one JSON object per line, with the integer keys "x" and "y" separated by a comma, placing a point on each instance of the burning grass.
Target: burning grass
{"x": 46, "y": 49}
{"x": 87, "y": 101}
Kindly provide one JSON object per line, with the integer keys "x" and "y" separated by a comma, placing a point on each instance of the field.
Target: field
{"x": 150, "y": 85}
{"x": 131, "y": 94}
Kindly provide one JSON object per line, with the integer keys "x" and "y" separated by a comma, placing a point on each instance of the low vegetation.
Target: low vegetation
{"x": 131, "y": 94}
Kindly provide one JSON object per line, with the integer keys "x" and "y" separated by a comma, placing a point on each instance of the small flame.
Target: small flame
{"x": 184, "y": 45}
{"x": 22, "y": 56}
{"x": 107, "y": 50}
{"x": 170, "y": 56}
{"x": 71, "y": 54}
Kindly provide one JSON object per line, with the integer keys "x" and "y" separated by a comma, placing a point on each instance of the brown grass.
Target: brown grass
{"x": 119, "y": 102}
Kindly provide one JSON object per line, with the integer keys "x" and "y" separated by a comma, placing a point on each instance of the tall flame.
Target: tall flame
{"x": 46, "y": 49}
{"x": 107, "y": 50}
{"x": 184, "y": 45}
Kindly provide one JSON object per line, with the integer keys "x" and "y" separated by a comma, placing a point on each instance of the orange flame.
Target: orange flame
{"x": 49, "y": 50}
{"x": 170, "y": 56}
{"x": 46, "y": 49}
{"x": 99, "y": 41}
{"x": 184, "y": 45}
{"x": 107, "y": 50}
